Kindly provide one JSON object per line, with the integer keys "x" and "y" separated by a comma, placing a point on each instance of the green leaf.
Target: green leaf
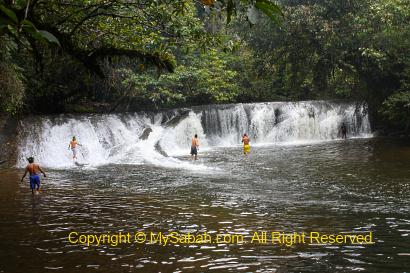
{"x": 34, "y": 33}
{"x": 27, "y": 25}
{"x": 49, "y": 37}
{"x": 269, "y": 8}
{"x": 31, "y": 29}
{"x": 12, "y": 31}
{"x": 10, "y": 14}
{"x": 43, "y": 35}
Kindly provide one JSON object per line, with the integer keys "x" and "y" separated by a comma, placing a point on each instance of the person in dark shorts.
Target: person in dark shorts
{"x": 34, "y": 170}
{"x": 343, "y": 129}
{"x": 194, "y": 147}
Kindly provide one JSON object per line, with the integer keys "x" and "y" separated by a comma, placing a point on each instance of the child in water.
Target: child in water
{"x": 33, "y": 169}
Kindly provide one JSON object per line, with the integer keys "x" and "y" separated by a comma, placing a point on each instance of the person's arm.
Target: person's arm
{"x": 69, "y": 146}
{"x": 24, "y": 175}
{"x": 41, "y": 170}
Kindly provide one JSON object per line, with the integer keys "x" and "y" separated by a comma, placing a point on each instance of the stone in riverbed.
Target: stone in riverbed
{"x": 146, "y": 133}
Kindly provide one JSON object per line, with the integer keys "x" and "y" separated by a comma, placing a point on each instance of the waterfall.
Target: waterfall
{"x": 160, "y": 138}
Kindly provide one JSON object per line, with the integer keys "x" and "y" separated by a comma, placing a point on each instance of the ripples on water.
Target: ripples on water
{"x": 344, "y": 186}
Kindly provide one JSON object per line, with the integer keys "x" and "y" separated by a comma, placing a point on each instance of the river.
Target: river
{"x": 299, "y": 177}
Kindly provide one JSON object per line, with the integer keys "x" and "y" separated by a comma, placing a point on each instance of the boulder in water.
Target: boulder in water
{"x": 146, "y": 133}
{"x": 159, "y": 149}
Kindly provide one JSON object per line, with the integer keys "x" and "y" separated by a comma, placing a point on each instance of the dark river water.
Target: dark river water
{"x": 360, "y": 186}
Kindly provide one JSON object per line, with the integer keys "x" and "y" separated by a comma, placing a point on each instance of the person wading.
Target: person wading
{"x": 34, "y": 170}
{"x": 343, "y": 129}
{"x": 194, "y": 147}
{"x": 246, "y": 146}
{"x": 73, "y": 145}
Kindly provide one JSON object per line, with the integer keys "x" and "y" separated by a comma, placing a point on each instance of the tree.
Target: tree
{"x": 336, "y": 49}
{"x": 95, "y": 33}
{"x": 90, "y": 30}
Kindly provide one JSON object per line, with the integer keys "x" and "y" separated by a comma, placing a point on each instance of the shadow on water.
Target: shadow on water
{"x": 331, "y": 187}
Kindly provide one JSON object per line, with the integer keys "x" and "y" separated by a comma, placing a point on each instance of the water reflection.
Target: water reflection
{"x": 330, "y": 187}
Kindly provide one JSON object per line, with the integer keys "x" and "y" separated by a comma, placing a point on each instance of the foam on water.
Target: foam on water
{"x": 164, "y": 138}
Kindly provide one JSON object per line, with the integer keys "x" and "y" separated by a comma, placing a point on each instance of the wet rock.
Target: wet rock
{"x": 8, "y": 141}
{"x": 378, "y": 133}
{"x": 159, "y": 149}
{"x": 146, "y": 133}
{"x": 176, "y": 119}
{"x": 277, "y": 116}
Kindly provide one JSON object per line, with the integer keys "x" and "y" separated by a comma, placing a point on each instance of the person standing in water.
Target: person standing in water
{"x": 246, "y": 146}
{"x": 34, "y": 170}
{"x": 194, "y": 147}
{"x": 343, "y": 129}
{"x": 73, "y": 145}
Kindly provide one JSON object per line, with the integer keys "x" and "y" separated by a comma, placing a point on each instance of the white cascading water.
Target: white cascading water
{"x": 158, "y": 139}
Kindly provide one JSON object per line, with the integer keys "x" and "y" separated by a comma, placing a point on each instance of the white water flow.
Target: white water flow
{"x": 164, "y": 138}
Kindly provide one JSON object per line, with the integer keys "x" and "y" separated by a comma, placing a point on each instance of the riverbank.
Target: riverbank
{"x": 8, "y": 141}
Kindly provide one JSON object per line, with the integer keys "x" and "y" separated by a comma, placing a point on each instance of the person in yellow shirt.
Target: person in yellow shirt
{"x": 73, "y": 146}
{"x": 246, "y": 146}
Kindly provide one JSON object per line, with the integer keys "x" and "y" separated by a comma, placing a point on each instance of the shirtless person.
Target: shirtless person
{"x": 34, "y": 170}
{"x": 194, "y": 147}
{"x": 343, "y": 129}
{"x": 73, "y": 145}
{"x": 246, "y": 146}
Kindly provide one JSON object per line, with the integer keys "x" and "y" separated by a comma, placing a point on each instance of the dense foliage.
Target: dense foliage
{"x": 129, "y": 55}
{"x": 339, "y": 49}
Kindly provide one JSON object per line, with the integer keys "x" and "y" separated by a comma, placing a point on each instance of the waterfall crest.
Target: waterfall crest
{"x": 158, "y": 138}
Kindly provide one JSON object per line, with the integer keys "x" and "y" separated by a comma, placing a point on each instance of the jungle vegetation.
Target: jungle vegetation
{"x": 118, "y": 55}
